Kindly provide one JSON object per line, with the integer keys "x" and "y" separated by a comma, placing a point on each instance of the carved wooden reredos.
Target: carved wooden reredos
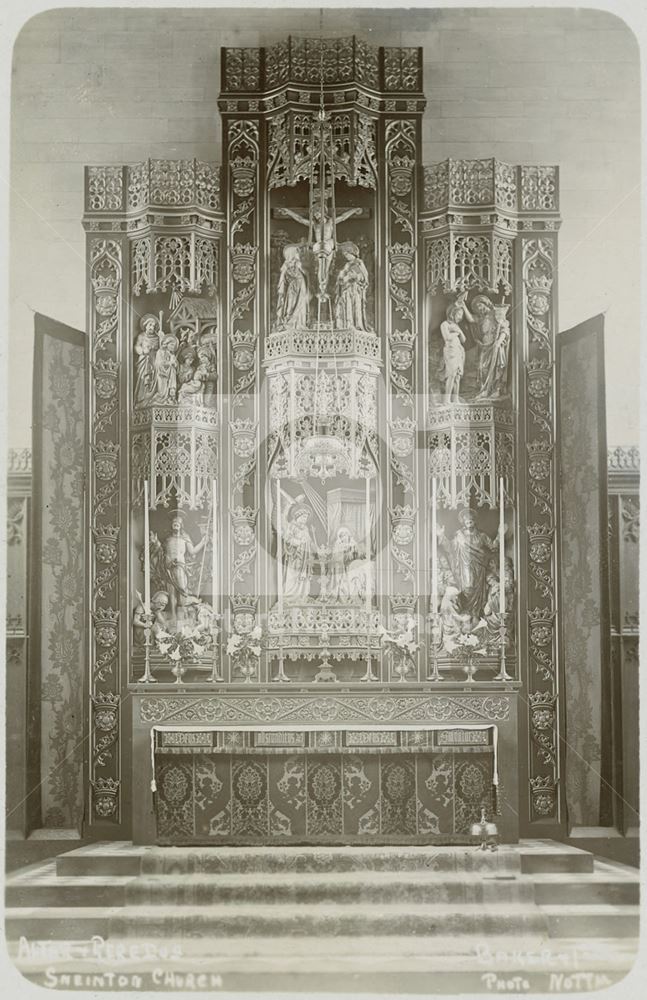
{"x": 329, "y": 370}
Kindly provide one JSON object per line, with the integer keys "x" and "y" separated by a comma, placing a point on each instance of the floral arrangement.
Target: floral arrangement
{"x": 401, "y": 646}
{"x": 466, "y": 644}
{"x": 245, "y": 650}
{"x": 188, "y": 643}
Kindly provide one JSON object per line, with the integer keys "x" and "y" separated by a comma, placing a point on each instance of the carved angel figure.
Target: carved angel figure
{"x": 293, "y": 297}
{"x": 299, "y": 549}
{"x": 350, "y": 290}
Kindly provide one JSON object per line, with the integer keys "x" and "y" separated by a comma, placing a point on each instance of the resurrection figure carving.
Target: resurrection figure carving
{"x": 350, "y": 291}
{"x": 293, "y": 297}
{"x": 323, "y": 228}
{"x": 492, "y": 334}
{"x": 169, "y": 559}
{"x": 469, "y": 555}
{"x": 299, "y": 549}
{"x": 146, "y": 346}
{"x": 453, "y": 350}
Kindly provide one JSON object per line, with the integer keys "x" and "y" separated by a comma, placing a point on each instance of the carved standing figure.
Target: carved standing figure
{"x": 171, "y": 563}
{"x": 469, "y": 554}
{"x": 323, "y": 227}
{"x": 453, "y": 350}
{"x": 351, "y": 289}
{"x": 146, "y": 346}
{"x": 166, "y": 370}
{"x": 492, "y": 334}
{"x": 293, "y": 298}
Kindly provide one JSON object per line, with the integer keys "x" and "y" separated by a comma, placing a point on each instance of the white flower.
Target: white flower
{"x": 174, "y": 654}
{"x": 163, "y": 634}
{"x": 198, "y": 648}
{"x": 233, "y": 644}
{"x": 256, "y": 632}
{"x": 471, "y": 640}
{"x": 256, "y": 650}
{"x": 163, "y": 647}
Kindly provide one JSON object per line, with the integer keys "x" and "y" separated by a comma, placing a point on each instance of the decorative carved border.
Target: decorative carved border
{"x": 387, "y": 707}
{"x": 242, "y": 423}
{"x": 538, "y": 260}
{"x": 402, "y": 157}
{"x": 107, "y": 269}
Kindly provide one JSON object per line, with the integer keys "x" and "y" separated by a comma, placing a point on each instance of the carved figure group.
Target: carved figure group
{"x": 469, "y": 584}
{"x": 351, "y": 284}
{"x": 345, "y": 569}
{"x": 171, "y": 370}
{"x": 491, "y": 333}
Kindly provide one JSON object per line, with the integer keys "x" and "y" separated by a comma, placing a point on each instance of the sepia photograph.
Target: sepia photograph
{"x": 322, "y": 405}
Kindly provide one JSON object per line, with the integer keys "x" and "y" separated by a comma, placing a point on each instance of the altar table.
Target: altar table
{"x": 315, "y": 785}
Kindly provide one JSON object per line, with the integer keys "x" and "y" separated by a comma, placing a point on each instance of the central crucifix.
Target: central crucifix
{"x": 323, "y": 219}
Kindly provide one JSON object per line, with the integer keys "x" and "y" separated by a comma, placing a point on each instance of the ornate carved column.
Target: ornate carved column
{"x": 17, "y": 806}
{"x": 536, "y": 303}
{"x": 407, "y": 546}
{"x": 241, "y": 433}
{"x": 107, "y": 497}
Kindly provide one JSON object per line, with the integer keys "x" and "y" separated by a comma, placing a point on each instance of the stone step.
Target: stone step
{"x": 126, "y": 859}
{"x": 591, "y": 920}
{"x": 550, "y": 856}
{"x": 48, "y": 889}
{"x": 116, "y": 858}
{"x": 305, "y": 919}
{"x": 587, "y": 888}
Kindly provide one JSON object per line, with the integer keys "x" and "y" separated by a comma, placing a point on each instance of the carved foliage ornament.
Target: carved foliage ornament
{"x": 106, "y": 282}
{"x": 308, "y": 708}
{"x": 243, "y": 158}
{"x": 537, "y": 277}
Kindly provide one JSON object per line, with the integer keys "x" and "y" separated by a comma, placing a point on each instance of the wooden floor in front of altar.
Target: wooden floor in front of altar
{"x": 531, "y": 917}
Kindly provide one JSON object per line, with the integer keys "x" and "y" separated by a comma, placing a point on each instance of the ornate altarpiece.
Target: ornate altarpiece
{"x": 322, "y": 432}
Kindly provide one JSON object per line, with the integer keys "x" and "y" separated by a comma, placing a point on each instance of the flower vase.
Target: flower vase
{"x": 469, "y": 668}
{"x": 178, "y": 671}
{"x": 401, "y": 669}
{"x": 249, "y": 670}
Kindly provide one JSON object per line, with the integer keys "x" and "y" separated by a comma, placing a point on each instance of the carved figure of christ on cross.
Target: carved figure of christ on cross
{"x": 324, "y": 243}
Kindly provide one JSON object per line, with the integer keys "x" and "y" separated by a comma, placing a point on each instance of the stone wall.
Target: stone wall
{"x": 544, "y": 86}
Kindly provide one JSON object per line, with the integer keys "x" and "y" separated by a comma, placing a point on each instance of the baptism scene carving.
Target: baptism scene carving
{"x": 470, "y": 353}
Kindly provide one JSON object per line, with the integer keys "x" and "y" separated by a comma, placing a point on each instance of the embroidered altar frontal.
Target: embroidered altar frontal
{"x": 332, "y": 786}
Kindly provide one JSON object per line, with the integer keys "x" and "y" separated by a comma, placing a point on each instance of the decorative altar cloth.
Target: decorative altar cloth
{"x": 310, "y": 784}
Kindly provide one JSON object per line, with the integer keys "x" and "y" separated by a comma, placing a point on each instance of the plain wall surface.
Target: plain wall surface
{"x": 94, "y": 86}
